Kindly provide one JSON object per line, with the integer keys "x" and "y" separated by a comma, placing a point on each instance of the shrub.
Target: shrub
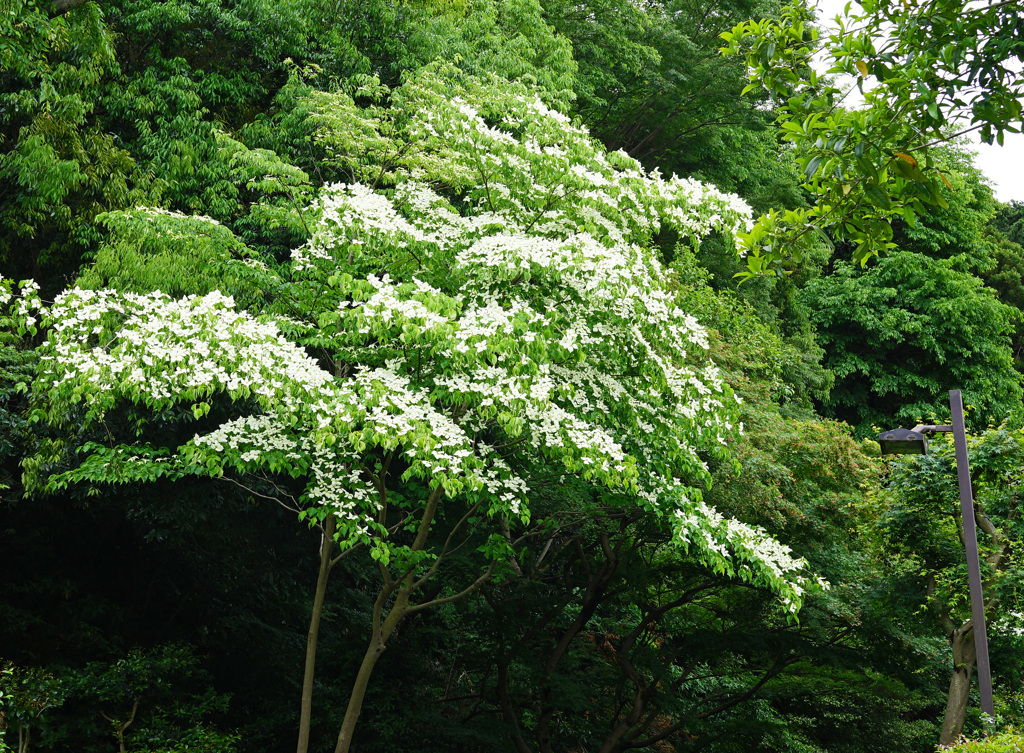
{"x": 1009, "y": 741}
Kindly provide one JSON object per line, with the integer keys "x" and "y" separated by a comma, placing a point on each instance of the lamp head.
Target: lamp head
{"x": 903, "y": 442}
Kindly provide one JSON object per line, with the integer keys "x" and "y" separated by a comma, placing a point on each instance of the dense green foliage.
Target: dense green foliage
{"x": 375, "y": 185}
{"x": 909, "y": 328}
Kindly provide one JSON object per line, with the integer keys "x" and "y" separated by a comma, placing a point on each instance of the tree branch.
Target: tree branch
{"x": 444, "y": 549}
{"x": 454, "y": 597}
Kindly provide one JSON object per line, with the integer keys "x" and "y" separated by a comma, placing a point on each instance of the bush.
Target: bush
{"x": 1009, "y": 741}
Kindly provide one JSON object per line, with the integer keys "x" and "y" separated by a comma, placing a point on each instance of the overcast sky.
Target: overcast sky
{"x": 1002, "y": 165}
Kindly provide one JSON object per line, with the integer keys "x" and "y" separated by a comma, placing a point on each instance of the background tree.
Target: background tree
{"x": 907, "y": 330}
{"x": 58, "y": 169}
{"x": 921, "y": 529}
{"x": 927, "y": 73}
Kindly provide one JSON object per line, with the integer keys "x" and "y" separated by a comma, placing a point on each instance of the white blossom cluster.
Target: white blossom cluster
{"x": 361, "y": 216}
{"x": 19, "y": 311}
{"x": 735, "y": 545}
{"x": 105, "y": 346}
{"x": 253, "y": 437}
{"x": 390, "y": 303}
{"x": 154, "y": 349}
{"x": 531, "y": 166}
{"x": 1010, "y": 623}
{"x": 268, "y": 442}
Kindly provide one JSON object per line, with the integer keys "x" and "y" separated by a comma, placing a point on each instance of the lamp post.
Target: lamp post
{"x": 915, "y": 442}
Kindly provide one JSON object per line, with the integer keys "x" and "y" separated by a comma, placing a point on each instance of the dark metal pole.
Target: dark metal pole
{"x": 963, "y": 472}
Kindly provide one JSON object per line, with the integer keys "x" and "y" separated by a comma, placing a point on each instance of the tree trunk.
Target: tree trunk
{"x": 378, "y": 642}
{"x": 384, "y": 627}
{"x": 306, "y": 710}
{"x": 959, "y": 684}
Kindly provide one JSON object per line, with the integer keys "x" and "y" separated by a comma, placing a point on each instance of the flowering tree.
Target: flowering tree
{"x": 496, "y": 310}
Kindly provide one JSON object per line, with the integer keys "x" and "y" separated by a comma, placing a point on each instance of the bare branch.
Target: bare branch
{"x": 296, "y": 509}
{"x": 444, "y": 549}
{"x": 454, "y": 597}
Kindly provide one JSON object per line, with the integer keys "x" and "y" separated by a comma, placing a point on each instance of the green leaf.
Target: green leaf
{"x": 812, "y": 166}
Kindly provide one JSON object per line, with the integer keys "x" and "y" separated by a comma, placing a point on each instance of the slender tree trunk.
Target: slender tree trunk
{"x": 959, "y": 684}
{"x": 962, "y": 638}
{"x": 326, "y": 549}
{"x": 382, "y": 631}
{"x": 384, "y": 628}
{"x": 508, "y": 712}
{"x": 636, "y": 713}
